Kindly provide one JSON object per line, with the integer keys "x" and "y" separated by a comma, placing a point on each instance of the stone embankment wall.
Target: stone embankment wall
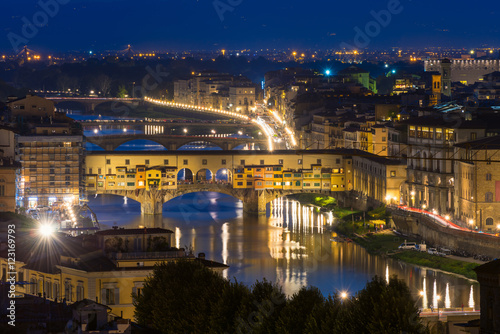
{"x": 434, "y": 234}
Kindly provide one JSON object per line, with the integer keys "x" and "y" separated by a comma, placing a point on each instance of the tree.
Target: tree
{"x": 301, "y": 309}
{"x": 103, "y": 83}
{"x": 260, "y": 313}
{"x": 386, "y": 308}
{"x": 122, "y": 92}
{"x": 178, "y": 297}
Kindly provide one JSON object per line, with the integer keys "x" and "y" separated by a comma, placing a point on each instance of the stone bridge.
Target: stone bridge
{"x": 90, "y": 103}
{"x": 111, "y": 142}
{"x": 254, "y": 201}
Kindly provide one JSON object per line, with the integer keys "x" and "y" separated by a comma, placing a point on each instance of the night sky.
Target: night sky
{"x": 189, "y": 24}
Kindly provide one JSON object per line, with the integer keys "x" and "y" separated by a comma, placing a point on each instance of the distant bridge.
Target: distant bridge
{"x": 90, "y": 103}
{"x": 112, "y": 142}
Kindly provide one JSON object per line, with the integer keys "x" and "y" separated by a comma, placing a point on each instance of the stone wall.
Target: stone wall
{"x": 436, "y": 235}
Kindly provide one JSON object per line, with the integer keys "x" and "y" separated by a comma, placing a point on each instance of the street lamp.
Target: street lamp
{"x": 471, "y": 222}
{"x": 438, "y": 297}
{"x": 185, "y": 130}
{"x": 343, "y": 295}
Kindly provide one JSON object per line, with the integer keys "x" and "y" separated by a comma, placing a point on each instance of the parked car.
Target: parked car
{"x": 432, "y": 251}
{"x": 445, "y": 251}
{"x": 408, "y": 245}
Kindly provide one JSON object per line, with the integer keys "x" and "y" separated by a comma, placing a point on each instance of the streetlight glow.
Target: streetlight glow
{"x": 46, "y": 230}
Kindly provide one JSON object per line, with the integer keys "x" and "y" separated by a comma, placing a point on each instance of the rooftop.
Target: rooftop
{"x": 483, "y": 143}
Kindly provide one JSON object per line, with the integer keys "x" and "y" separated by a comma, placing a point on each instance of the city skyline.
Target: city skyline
{"x": 63, "y": 25}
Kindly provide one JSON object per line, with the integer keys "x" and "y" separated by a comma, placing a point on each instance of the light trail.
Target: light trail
{"x": 216, "y": 111}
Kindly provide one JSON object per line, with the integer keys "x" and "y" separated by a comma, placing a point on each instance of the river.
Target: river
{"x": 291, "y": 245}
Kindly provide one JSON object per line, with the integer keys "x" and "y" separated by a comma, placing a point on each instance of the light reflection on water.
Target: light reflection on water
{"x": 290, "y": 245}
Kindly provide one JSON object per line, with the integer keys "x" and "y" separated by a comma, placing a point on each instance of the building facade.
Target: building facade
{"x": 477, "y": 185}
{"x": 52, "y": 169}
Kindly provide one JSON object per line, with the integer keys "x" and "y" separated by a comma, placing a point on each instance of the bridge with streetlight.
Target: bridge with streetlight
{"x": 173, "y": 142}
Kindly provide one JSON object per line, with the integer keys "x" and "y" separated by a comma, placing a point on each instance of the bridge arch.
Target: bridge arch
{"x": 223, "y": 175}
{"x": 204, "y": 174}
{"x": 147, "y": 142}
{"x": 202, "y": 141}
{"x": 185, "y": 175}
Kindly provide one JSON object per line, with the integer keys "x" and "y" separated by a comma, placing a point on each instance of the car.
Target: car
{"x": 445, "y": 251}
{"x": 432, "y": 251}
{"x": 408, "y": 245}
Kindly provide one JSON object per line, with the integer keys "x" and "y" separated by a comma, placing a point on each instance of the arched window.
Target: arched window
{"x": 489, "y": 221}
{"x": 488, "y": 197}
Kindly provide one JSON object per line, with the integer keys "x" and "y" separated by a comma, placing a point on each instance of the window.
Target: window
{"x": 165, "y": 162}
{"x": 337, "y": 161}
{"x": 146, "y": 161}
{"x": 393, "y": 173}
{"x": 242, "y": 162}
{"x": 109, "y": 297}
{"x": 262, "y": 162}
{"x": 68, "y": 291}
{"x": 130, "y": 184}
{"x": 127, "y": 161}
{"x": 240, "y": 183}
{"x": 204, "y": 162}
{"x": 185, "y": 161}
{"x": 488, "y": 177}
{"x": 223, "y": 162}
{"x": 109, "y": 170}
{"x": 488, "y": 197}
{"x": 318, "y": 161}
{"x": 108, "y": 161}
{"x": 2, "y": 191}
{"x": 99, "y": 171}
{"x": 489, "y": 221}
{"x": 299, "y": 162}
{"x": 79, "y": 291}
{"x": 249, "y": 183}
{"x": 90, "y": 170}
{"x": 473, "y": 136}
{"x": 280, "y": 161}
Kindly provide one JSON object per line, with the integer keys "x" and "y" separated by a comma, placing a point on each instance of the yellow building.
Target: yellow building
{"x": 477, "y": 184}
{"x": 31, "y": 105}
{"x": 312, "y": 178}
{"x": 379, "y": 140}
{"x": 379, "y": 178}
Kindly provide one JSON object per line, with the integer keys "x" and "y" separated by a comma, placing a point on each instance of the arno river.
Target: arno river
{"x": 291, "y": 245}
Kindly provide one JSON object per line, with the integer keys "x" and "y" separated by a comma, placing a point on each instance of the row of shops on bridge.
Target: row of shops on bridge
{"x": 258, "y": 177}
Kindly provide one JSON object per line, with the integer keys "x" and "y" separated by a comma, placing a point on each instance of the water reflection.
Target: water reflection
{"x": 291, "y": 246}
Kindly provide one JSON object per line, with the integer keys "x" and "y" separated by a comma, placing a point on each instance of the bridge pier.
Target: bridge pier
{"x": 255, "y": 202}
{"x": 151, "y": 202}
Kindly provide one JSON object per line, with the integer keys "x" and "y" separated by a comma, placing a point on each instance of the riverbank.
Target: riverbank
{"x": 356, "y": 225}
{"x": 386, "y": 244}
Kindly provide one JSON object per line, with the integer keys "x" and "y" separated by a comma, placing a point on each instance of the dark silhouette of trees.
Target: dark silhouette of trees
{"x": 187, "y": 297}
